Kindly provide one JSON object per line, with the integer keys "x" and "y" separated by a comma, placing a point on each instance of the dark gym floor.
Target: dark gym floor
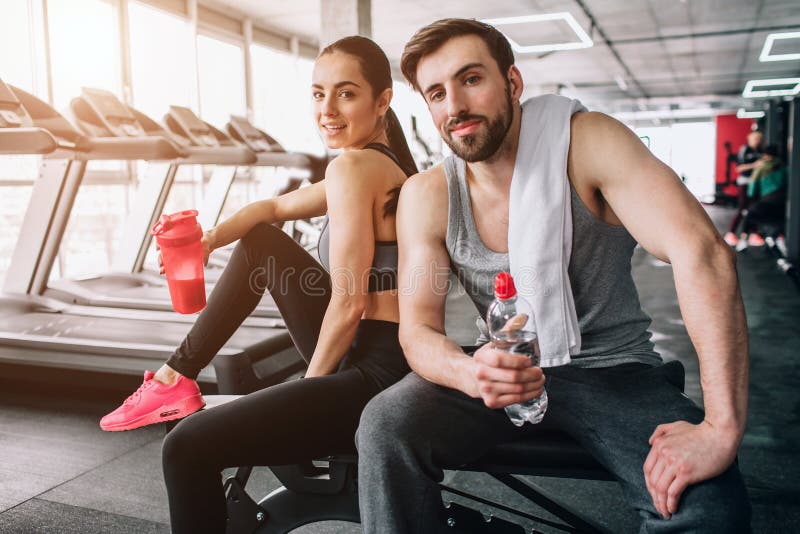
{"x": 60, "y": 473}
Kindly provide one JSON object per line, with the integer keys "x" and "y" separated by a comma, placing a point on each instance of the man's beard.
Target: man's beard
{"x": 481, "y": 146}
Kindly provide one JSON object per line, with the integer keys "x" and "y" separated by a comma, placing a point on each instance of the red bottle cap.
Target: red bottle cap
{"x": 178, "y": 229}
{"x": 504, "y": 288}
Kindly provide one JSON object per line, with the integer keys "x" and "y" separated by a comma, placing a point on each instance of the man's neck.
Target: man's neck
{"x": 499, "y": 168}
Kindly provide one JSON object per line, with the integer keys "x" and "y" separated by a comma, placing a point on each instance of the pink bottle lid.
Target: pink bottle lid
{"x": 178, "y": 229}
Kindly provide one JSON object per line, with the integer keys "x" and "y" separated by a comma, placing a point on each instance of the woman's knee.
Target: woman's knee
{"x": 262, "y": 235}
{"x": 181, "y": 448}
{"x": 173, "y": 446}
{"x": 258, "y": 247}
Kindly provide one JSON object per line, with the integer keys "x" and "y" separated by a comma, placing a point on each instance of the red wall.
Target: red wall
{"x": 735, "y": 131}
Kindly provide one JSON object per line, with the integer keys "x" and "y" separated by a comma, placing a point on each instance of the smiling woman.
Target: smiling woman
{"x": 346, "y": 111}
{"x": 343, "y": 318}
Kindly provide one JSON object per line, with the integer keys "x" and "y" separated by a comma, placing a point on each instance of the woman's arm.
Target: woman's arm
{"x": 350, "y": 194}
{"x": 299, "y": 204}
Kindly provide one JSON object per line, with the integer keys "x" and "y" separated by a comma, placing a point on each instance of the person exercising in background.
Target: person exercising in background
{"x": 674, "y": 460}
{"x": 342, "y": 318}
{"x": 747, "y": 159}
{"x": 766, "y": 194}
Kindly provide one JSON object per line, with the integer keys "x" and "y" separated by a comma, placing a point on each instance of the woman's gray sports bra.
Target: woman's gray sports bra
{"x": 383, "y": 273}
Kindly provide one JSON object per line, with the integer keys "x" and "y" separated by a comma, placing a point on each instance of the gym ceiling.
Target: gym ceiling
{"x": 647, "y": 55}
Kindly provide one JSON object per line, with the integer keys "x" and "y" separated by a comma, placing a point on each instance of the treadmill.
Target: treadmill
{"x": 100, "y": 113}
{"x": 266, "y": 148}
{"x": 189, "y": 128}
{"x": 270, "y": 152}
{"x": 39, "y": 331}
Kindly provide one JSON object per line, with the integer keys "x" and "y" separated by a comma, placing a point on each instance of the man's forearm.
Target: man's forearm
{"x": 437, "y": 358}
{"x": 712, "y": 309}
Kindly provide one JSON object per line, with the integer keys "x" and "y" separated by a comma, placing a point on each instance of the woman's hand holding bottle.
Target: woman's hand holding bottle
{"x": 208, "y": 247}
{"x": 208, "y": 244}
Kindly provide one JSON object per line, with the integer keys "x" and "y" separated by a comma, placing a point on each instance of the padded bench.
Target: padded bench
{"x": 326, "y": 489}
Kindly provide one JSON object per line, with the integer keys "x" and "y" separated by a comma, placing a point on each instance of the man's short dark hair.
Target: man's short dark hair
{"x": 429, "y": 39}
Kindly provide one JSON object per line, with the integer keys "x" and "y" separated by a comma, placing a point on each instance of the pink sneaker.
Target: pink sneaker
{"x": 731, "y": 239}
{"x": 153, "y": 403}
{"x": 755, "y": 240}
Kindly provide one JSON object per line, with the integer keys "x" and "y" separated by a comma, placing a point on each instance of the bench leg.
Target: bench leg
{"x": 314, "y": 494}
{"x": 286, "y": 510}
{"x": 244, "y": 515}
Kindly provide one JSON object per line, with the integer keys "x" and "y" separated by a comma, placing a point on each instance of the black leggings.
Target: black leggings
{"x": 264, "y": 259}
{"x": 741, "y": 205}
{"x": 283, "y": 424}
{"x": 768, "y": 209}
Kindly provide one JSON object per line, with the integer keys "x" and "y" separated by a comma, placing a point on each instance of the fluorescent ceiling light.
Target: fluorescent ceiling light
{"x": 751, "y": 92}
{"x": 667, "y": 114}
{"x": 584, "y": 40}
{"x": 743, "y": 114}
{"x": 766, "y": 52}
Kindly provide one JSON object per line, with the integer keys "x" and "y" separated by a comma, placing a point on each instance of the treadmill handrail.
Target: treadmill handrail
{"x": 26, "y": 141}
{"x": 181, "y": 121}
{"x": 221, "y": 155}
{"x": 61, "y": 342}
{"x": 86, "y": 147}
{"x": 127, "y": 148}
{"x": 284, "y": 159}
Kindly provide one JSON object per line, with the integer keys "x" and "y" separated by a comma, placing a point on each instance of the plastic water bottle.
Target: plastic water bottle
{"x": 179, "y": 237}
{"x": 511, "y": 329}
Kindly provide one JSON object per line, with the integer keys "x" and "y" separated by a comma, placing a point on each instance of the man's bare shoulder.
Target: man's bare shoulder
{"x": 428, "y": 186}
{"x": 423, "y": 200}
{"x": 598, "y": 143}
{"x": 595, "y": 131}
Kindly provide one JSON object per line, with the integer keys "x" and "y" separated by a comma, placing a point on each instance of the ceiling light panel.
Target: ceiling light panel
{"x": 518, "y": 31}
{"x": 744, "y": 114}
{"x": 773, "y": 87}
{"x": 785, "y": 41}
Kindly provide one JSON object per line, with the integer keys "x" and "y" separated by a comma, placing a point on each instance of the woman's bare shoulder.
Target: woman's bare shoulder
{"x": 357, "y": 164}
{"x": 360, "y": 168}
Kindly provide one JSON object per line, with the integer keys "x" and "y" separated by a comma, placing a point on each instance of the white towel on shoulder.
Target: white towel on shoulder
{"x": 540, "y": 225}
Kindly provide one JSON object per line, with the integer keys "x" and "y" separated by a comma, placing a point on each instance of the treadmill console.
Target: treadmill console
{"x": 193, "y": 128}
{"x": 250, "y": 135}
{"x": 12, "y": 114}
{"x": 114, "y": 114}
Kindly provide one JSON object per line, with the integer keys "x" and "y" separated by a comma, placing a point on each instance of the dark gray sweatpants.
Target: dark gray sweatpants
{"x": 410, "y": 431}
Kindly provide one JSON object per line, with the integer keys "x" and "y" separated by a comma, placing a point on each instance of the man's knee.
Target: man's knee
{"x": 381, "y": 424}
{"x": 717, "y": 505}
{"x": 393, "y": 419}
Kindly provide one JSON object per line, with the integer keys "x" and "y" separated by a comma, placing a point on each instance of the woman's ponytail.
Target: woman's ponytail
{"x": 398, "y": 145}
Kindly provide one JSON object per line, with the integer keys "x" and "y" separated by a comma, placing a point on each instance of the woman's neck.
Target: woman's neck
{"x": 379, "y": 136}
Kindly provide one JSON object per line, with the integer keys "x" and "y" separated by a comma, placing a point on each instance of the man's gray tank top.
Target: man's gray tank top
{"x": 612, "y": 323}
